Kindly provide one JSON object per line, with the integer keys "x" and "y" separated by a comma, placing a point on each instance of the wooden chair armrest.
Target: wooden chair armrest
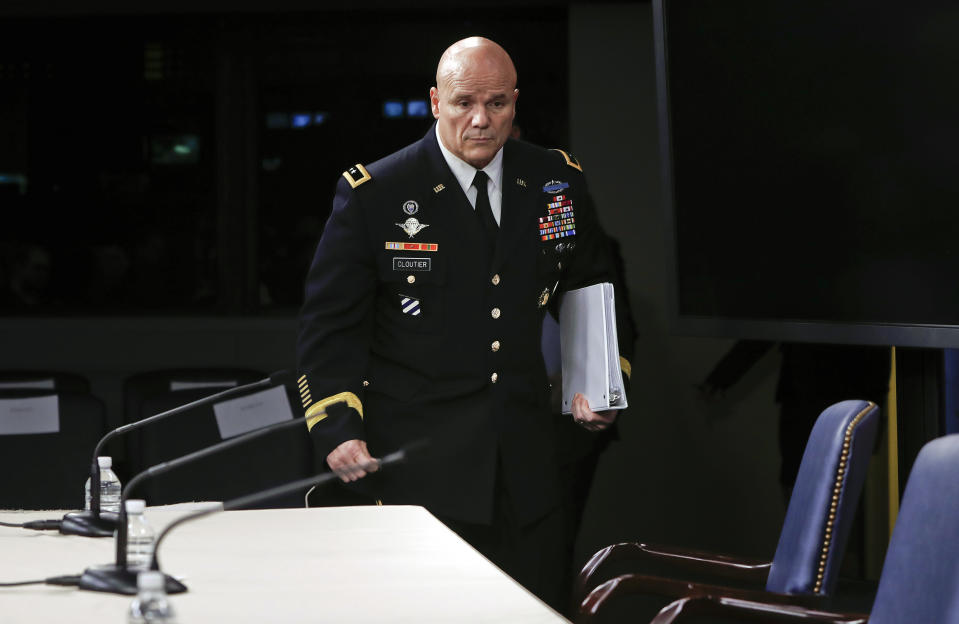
{"x": 738, "y": 568}
{"x": 672, "y": 589}
{"x": 751, "y": 610}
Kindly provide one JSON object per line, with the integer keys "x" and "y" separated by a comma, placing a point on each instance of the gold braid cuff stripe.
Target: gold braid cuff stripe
{"x": 317, "y": 411}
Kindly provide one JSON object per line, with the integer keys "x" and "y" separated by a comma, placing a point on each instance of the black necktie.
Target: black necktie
{"x": 484, "y": 212}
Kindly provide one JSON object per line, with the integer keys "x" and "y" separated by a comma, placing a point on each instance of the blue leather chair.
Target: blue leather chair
{"x": 920, "y": 577}
{"x": 813, "y": 539}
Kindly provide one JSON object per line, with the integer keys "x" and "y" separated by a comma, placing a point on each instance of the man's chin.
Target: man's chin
{"x": 479, "y": 158}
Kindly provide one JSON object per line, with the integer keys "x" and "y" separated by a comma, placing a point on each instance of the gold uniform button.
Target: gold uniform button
{"x": 493, "y": 377}
{"x": 495, "y": 346}
{"x": 495, "y": 313}
{"x": 495, "y": 280}
{"x": 411, "y": 278}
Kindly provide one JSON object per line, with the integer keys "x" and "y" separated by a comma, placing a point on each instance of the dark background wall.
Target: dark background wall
{"x": 685, "y": 472}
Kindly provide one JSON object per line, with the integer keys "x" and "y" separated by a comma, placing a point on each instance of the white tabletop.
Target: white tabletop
{"x": 340, "y": 564}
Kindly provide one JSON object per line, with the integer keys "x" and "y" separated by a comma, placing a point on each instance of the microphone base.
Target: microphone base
{"x": 87, "y": 524}
{"x": 115, "y": 580}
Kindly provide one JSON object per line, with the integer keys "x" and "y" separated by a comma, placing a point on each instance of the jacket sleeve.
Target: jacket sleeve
{"x": 335, "y": 326}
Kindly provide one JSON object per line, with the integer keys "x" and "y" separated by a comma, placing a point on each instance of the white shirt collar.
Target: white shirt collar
{"x": 465, "y": 172}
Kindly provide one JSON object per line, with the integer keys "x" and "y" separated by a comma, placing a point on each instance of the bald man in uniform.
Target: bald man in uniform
{"x": 422, "y": 319}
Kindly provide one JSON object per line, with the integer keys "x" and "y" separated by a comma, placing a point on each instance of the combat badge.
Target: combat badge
{"x": 411, "y": 207}
{"x": 555, "y": 186}
{"x": 412, "y": 226}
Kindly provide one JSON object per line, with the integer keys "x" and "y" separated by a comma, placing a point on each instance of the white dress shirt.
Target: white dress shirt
{"x": 464, "y": 173}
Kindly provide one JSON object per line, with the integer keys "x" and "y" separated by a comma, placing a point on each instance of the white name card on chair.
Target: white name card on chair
{"x": 28, "y": 384}
{"x": 176, "y": 386}
{"x": 253, "y": 411}
{"x": 30, "y": 415}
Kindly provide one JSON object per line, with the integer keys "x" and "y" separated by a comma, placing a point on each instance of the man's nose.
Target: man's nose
{"x": 480, "y": 118}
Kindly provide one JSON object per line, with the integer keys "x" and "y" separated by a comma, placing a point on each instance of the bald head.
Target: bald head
{"x": 474, "y": 100}
{"x": 471, "y": 53}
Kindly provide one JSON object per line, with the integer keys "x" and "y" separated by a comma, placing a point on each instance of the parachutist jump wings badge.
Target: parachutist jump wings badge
{"x": 412, "y": 226}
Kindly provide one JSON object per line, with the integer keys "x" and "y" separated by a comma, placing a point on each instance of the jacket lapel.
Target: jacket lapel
{"x": 517, "y": 215}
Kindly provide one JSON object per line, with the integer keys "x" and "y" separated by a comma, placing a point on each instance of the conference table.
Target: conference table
{"x": 332, "y": 564}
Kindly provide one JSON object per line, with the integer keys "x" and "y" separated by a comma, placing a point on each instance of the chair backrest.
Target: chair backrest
{"x": 40, "y": 380}
{"x": 257, "y": 465}
{"x": 46, "y": 441}
{"x": 824, "y": 500}
{"x": 920, "y": 575}
{"x": 142, "y": 386}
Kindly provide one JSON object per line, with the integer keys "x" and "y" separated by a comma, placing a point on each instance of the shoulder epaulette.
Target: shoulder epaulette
{"x": 357, "y": 175}
{"x": 570, "y": 159}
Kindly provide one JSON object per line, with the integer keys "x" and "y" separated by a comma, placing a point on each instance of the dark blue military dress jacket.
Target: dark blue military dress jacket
{"x": 412, "y": 329}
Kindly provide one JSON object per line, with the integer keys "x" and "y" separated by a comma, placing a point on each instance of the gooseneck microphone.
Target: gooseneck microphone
{"x": 97, "y": 523}
{"x": 117, "y": 578}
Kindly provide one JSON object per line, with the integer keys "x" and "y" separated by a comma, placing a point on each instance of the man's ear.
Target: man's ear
{"x": 435, "y": 102}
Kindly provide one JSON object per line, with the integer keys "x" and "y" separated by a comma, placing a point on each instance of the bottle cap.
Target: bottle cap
{"x": 152, "y": 580}
{"x": 136, "y": 505}
{"x": 105, "y": 462}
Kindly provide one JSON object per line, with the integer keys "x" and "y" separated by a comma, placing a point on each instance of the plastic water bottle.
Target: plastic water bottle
{"x": 151, "y": 605}
{"x": 109, "y": 487}
{"x": 140, "y": 536}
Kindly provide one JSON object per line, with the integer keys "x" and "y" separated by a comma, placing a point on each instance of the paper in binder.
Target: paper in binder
{"x": 590, "y": 348}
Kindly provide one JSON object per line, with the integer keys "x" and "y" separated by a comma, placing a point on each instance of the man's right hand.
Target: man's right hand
{"x": 351, "y": 461}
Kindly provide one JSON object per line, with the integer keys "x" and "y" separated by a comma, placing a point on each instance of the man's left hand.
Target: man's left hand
{"x": 587, "y": 418}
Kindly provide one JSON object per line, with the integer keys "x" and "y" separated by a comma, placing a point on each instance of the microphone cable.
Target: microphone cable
{"x": 35, "y": 525}
{"x": 71, "y": 580}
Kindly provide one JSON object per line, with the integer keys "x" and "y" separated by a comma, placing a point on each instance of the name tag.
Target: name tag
{"x": 236, "y": 416}
{"x": 412, "y": 264}
{"x": 30, "y": 415}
